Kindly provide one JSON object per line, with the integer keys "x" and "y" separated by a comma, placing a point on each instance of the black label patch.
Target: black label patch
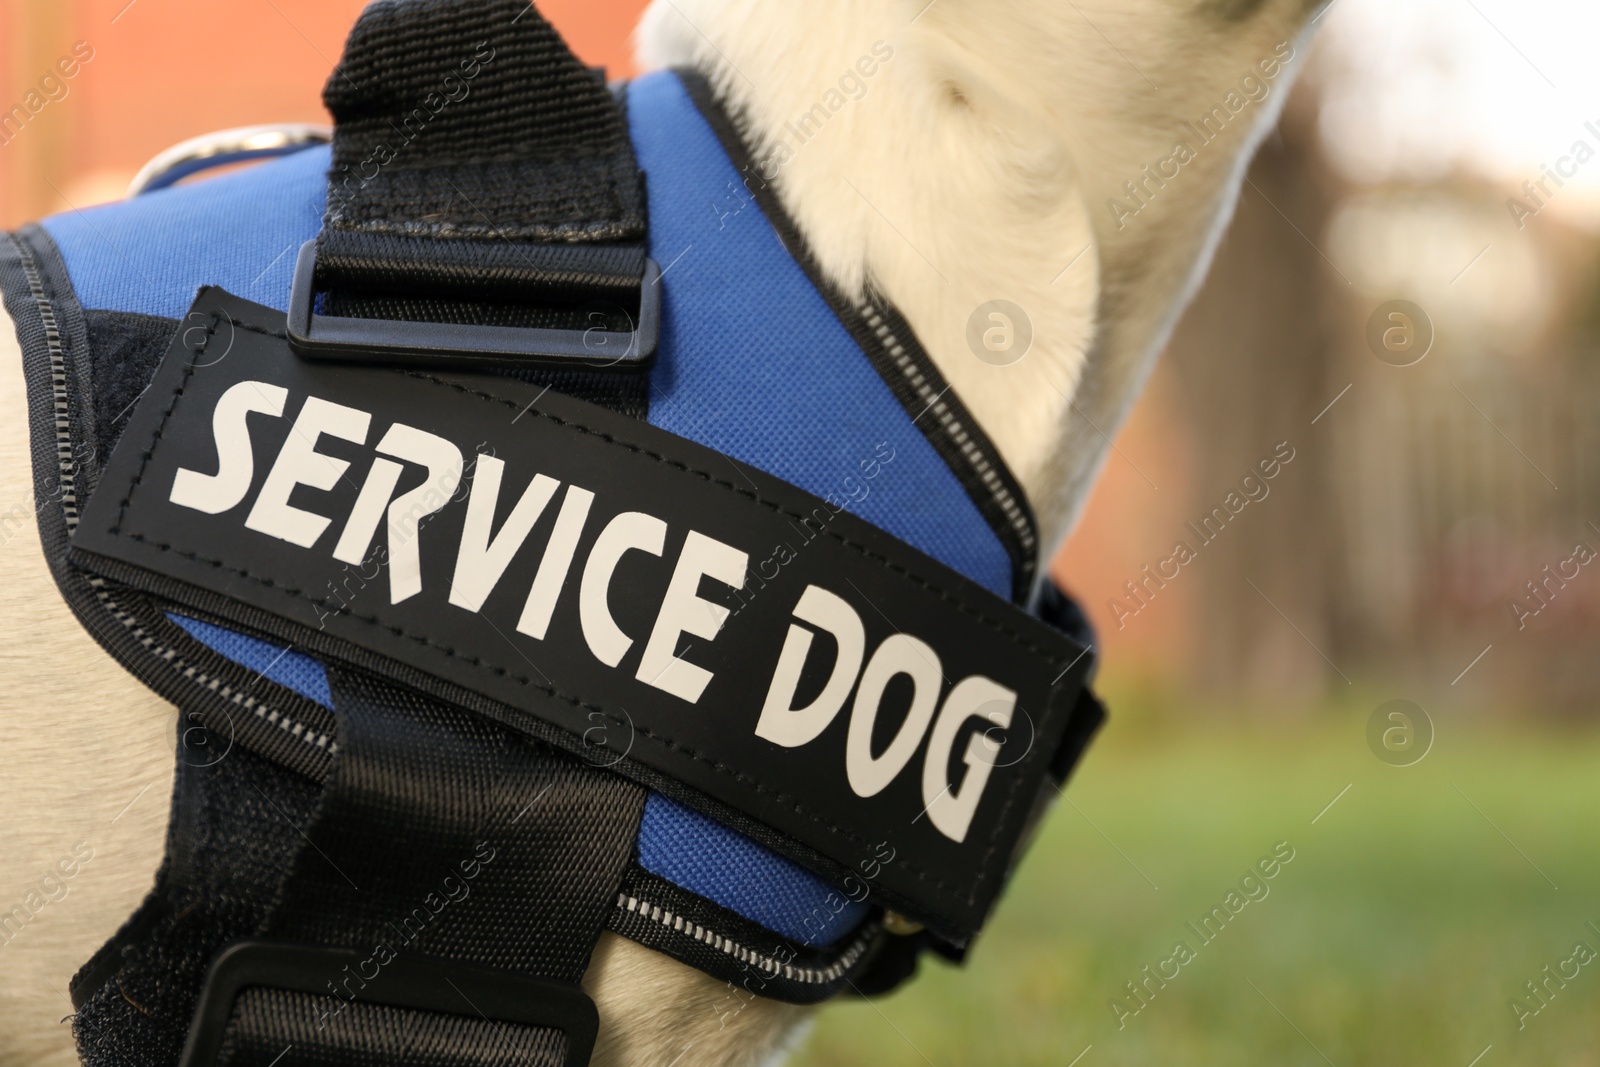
{"x": 701, "y": 620}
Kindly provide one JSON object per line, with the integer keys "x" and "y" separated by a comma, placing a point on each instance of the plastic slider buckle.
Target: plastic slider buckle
{"x": 336, "y": 338}
{"x": 403, "y": 982}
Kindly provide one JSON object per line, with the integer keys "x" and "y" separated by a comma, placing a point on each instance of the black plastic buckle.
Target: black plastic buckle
{"x": 330, "y": 337}
{"x": 403, "y": 982}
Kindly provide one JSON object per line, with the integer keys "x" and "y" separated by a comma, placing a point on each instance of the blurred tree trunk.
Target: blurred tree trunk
{"x": 33, "y": 35}
{"x": 1256, "y": 358}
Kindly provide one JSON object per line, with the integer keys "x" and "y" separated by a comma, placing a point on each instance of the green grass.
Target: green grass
{"x": 1396, "y": 936}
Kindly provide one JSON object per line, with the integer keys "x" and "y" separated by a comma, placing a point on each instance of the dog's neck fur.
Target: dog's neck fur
{"x": 977, "y": 166}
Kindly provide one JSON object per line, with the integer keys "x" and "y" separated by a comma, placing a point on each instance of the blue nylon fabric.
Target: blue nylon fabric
{"x": 688, "y": 849}
{"x": 241, "y": 231}
{"x": 753, "y": 362}
{"x": 293, "y": 670}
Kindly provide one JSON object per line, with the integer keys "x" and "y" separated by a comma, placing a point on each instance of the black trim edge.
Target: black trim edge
{"x": 231, "y": 703}
{"x": 725, "y": 945}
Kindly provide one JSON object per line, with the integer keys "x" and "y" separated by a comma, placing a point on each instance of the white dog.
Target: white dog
{"x": 1077, "y": 161}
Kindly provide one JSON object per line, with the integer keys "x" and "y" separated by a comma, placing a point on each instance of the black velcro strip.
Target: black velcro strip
{"x": 471, "y": 117}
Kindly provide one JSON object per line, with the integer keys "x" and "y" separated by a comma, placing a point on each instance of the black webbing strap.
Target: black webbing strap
{"x": 421, "y": 788}
{"x": 481, "y": 175}
{"x": 436, "y": 901}
{"x": 439, "y": 835}
{"x": 439, "y": 838}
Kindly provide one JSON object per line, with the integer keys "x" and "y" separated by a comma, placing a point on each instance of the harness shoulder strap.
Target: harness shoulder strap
{"x": 436, "y": 901}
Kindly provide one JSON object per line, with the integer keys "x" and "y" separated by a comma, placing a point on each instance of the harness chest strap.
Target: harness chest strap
{"x": 715, "y": 673}
{"x": 541, "y": 578}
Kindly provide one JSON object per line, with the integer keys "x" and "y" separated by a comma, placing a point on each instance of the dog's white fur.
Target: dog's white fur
{"x": 977, "y": 166}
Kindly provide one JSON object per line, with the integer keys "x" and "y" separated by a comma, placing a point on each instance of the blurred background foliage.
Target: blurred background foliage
{"x": 1424, "y": 504}
{"x": 1396, "y": 936}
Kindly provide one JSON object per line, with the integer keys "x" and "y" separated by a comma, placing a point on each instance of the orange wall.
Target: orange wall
{"x": 165, "y": 70}
{"x": 1127, "y": 524}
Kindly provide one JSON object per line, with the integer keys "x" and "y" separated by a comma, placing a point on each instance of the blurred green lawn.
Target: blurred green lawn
{"x": 1396, "y": 936}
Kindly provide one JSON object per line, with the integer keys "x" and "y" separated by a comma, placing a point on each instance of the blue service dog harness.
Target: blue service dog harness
{"x": 513, "y": 587}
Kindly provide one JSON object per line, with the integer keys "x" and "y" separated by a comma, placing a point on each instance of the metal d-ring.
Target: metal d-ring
{"x": 223, "y": 147}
